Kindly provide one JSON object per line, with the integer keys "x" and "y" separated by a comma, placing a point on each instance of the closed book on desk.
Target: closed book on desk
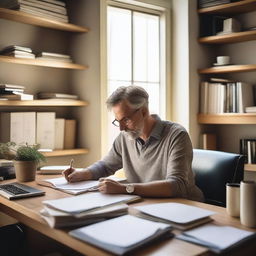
{"x": 122, "y": 234}
{"x": 59, "y": 219}
{"x": 218, "y": 239}
{"x": 181, "y": 216}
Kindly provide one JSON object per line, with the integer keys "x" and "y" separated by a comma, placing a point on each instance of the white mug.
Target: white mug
{"x": 248, "y": 203}
{"x": 233, "y": 199}
{"x": 223, "y": 60}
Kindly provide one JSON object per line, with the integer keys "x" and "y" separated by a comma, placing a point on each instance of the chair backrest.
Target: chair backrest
{"x": 213, "y": 169}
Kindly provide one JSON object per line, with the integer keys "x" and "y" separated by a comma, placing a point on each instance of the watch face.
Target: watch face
{"x": 129, "y": 188}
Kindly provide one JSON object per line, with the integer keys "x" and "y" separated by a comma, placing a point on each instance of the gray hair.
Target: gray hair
{"x": 136, "y": 96}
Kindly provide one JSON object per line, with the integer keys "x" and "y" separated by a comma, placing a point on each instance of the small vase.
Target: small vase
{"x": 25, "y": 170}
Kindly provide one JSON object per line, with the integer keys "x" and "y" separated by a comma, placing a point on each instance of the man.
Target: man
{"x": 156, "y": 155}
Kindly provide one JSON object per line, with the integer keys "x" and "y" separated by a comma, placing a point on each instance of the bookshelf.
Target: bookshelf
{"x": 21, "y": 17}
{"x": 231, "y": 9}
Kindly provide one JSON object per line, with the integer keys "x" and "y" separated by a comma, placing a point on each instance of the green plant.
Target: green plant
{"x": 25, "y": 152}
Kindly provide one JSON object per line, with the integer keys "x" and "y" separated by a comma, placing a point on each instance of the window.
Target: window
{"x": 135, "y": 56}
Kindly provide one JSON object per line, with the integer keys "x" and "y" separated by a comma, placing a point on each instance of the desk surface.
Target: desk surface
{"x": 27, "y": 212}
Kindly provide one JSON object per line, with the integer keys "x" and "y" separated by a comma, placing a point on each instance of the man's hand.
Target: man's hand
{"x": 108, "y": 186}
{"x": 73, "y": 175}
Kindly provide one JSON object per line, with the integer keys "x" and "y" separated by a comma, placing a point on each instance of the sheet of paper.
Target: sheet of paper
{"x": 123, "y": 231}
{"x": 175, "y": 212}
{"x": 88, "y": 201}
{"x": 218, "y": 236}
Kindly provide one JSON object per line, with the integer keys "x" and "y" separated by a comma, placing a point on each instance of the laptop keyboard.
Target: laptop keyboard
{"x": 13, "y": 189}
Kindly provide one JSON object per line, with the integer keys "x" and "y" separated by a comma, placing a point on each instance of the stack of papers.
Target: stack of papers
{"x": 181, "y": 216}
{"x": 74, "y": 188}
{"x": 59, "y": 219}
{"x": 218, "y": 239}
{"x": 122, "y": 234}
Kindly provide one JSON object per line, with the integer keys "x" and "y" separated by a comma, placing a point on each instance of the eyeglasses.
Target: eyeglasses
{"x": 125, "y": 120}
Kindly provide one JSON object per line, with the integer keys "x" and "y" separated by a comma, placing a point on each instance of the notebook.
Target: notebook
{"x": 123, "y": 234}
{"x": 16, "y": 190}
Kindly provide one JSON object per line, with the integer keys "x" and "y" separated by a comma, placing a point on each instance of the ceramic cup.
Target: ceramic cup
{"x": 233, "y": 199}
{"x": 248, "y": 203}
{"x": 223, "y": 60}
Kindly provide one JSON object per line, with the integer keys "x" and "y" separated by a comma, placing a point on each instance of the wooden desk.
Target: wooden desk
{"x": 27, "y": 212}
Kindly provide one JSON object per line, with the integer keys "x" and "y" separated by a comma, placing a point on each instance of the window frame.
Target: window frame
{"x": 165, "y": 55}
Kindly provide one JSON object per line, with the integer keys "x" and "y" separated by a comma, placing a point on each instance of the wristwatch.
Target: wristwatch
{"x": 129, "y": 188}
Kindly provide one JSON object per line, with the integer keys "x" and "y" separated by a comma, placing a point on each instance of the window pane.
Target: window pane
{"x": 146, "y": 47}
{"x": 119, "y": 44}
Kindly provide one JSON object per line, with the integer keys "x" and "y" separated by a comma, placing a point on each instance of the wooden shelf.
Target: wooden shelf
{"x": 228, "y": 69}
{"x": 39, "y": 21}
{"x": 66, "y": 152}
{"x": 232, "y": 8}
{"x": 250, "y": 167}
{"x": 229, "y": 38}
{"x": 42, "y": 63}
{"x": 43, "y": 103}
{"x": 227, "y": 118}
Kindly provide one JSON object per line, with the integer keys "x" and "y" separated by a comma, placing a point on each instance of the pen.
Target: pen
{"x": 71, "y": 163}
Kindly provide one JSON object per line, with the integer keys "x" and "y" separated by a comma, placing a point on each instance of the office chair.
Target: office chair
{"x": 213, "y": 169}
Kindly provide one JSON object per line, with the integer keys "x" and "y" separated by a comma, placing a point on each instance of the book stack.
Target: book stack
{"x": 85, "y": 209}
{"x": 225, "y": 97}
{"x": 18, "y": 52}
{"x": 54, "y": 95}
{"x": 51, "y": 56}
{"x": 209, "y": 3}
{"x": 51, "y": 9}
{"x": 14, "y": 92}
{"x": 248, "y": 149}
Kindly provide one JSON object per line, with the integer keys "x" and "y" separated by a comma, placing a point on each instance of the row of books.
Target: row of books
{"x": 248, "y": 149}
{"x": 38, "y": 128}
{"x": 51, "y": 9}
{"x": 143, "y": 225}
{"x": 26, "y": 52}
{"x": 209, "y": 3}
{"x": 229, "y": 97}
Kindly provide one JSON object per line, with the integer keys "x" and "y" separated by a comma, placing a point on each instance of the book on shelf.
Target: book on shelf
{"x": 12, "y": 87}
{"x": 81, "y": 204}
{"x": 74, "y": 188}
{"x": 248, "y": 149}
{"x": 53, "y": 54}
{"x": 179, "y": 215}
{"x": 19, "y": 127}
{"x": 210, "y": 3}
{"x": 250, "y": 109}
{"x": 52, "y": 169}
{"x": 45, "y": 129}
{"x": 11, "y": 48}
{"x": 110, "y": 235}
{"x": 54, "y": 95}
{"x": 69, "y": 134}
{"x": 44, "y": 6}
{"x": 219, "y": 239}
{"x": 59, "y": 133}
{"x": 55, "y": 59}
{"x": 18, "y": 55}
{"x": 59, "y": 219}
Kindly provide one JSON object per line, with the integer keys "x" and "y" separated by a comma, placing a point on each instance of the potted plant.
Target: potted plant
{"x": 26, "y": 158}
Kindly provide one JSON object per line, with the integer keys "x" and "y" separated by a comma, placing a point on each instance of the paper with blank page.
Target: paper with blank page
{"x": 89, "y": 201}
{"x": 175, "y": 212}
{"x": 217, "y": 238}
{"x": 121, "y": 234}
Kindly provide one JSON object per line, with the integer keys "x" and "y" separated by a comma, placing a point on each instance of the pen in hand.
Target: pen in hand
{"x": 71, "y": 164}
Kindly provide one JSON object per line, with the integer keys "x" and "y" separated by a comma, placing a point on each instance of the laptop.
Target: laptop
{"x": 16, "y": 190}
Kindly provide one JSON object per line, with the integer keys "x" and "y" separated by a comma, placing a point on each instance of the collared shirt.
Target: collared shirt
{"x": 166, "y": 155}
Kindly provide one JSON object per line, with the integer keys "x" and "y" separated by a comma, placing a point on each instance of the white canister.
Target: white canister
{"x": 233, "y": 199}
{"x": 248, "y": 203}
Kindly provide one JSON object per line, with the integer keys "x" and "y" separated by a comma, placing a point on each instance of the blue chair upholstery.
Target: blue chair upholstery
{"x": 213, "y": 169}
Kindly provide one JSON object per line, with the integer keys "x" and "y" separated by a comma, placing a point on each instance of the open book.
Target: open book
{"x": 78, "y": 205}
{"x": 181, "y": 216}
{"x": 60, "y": 219}
{"x": 122, "y": 234}
{"x": 218, "y": 239}
{"x": 74, "y": 188}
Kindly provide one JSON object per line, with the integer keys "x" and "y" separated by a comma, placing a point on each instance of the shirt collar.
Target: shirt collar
{"x": 158, "y": 128}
